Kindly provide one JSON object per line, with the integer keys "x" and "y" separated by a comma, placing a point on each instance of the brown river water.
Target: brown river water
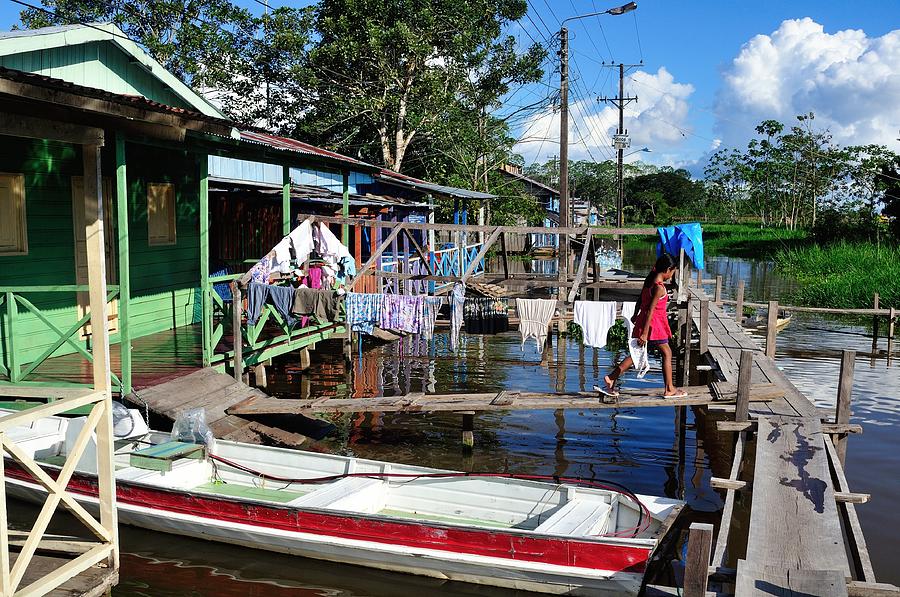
{"x": 636, "y": 447}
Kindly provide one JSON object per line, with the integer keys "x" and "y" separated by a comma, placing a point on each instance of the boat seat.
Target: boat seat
{"x": 161, "y": 456}
{"x": 357, "y": 494}
{"x": 576, "y": 517}
{"x": 40, "y": 443}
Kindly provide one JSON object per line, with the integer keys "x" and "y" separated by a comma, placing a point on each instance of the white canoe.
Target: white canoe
{"x": 518, "y": 533}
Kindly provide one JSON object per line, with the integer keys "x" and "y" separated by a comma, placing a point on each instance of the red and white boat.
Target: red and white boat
{"x": 551, "y": 537}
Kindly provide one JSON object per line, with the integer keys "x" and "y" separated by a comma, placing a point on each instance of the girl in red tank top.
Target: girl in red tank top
{"x": 651, "y": 325}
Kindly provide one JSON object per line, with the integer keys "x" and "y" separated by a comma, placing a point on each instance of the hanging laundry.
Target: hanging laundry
{"x": 313, "y": 278}
{"x": 322, "y": 304}
{"x": 301, "y": 239}
{"x": 402, "y": 313}
{"x": 429, "y": 315}
{"x": 457, "y": 307}
{"x": 486, "y": 315}
{"x": 260, "y": 272}
{"x": 595, "y": 319}
{"x": 638, "y": 353}
{"x": 280, "y": 297}
{"x": 282, "y": 253}
{"x": 534, "y": 319}
{"x": 363, "y": 311}
{"x": 329, "y": 245}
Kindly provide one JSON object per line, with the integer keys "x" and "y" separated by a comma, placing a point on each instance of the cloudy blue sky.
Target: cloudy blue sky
{"x": 712, "y": 69}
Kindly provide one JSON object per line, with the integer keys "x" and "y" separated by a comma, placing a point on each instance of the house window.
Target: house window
{"x": 160, "y": 213}
{"x": 13, "y": 229}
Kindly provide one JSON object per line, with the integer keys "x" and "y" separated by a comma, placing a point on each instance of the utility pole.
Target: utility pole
{"x": 621, "y": 141}
{"x": 563, "y": 255}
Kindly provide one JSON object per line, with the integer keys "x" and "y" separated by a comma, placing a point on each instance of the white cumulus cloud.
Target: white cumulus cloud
{"x": 849, "y": 80}
{"x": 658, "y": 120}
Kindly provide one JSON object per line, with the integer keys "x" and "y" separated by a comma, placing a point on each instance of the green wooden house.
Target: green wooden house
{"x": 162, "y": 315}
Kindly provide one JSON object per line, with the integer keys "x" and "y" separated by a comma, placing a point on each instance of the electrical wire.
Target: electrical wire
{"x": 644, "y": 516}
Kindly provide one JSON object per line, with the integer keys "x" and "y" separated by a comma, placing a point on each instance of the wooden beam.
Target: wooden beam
{"x": 90, "y": 104}
{"x": 505, "y": 255}
{"x": 733, "y": 484}
{"x": 704, "y": 327}
{"x": 720, "y": 554}
{"x": 829, "y": 428}
{"x": 18, "y": 125}
{"x": 96, "y": 265}
{"x": 236, "y": 333}
{"x": 398, "y": 228}
{"x": 471, "y": 228}
{"x": 484, "y": 249}
{"x": 425, "y": 260}
{"x": 717, "y": 297}
{"x": 847, "y": 497}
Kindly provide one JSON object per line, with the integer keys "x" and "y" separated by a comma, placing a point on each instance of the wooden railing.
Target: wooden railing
{"x": 445, "y": 262}
{"x": 11, "y": 299}
{"x": 25, "y": 469}
{"x": 270, "y": 336}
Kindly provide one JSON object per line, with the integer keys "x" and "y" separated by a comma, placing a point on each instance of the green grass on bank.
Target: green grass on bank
{"x": 749, "y": 240}
{"x": 843, "y": 275}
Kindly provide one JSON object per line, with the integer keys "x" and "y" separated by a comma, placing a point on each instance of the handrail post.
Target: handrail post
{"x": 875, "y": 305}
{"x": 12, "y": 312}
{"x": 696, "y": 569}
{"x": 771, "y": 329}
{"x": 892, "y": 317}
{"x": 704, "y": 327}
{"x": 745, "y": 378}
{"x": 844, "y": 395}
{"x": 717, "y": 297}
{"x": 236, "y": 306}
{"x": 739, "y": 306}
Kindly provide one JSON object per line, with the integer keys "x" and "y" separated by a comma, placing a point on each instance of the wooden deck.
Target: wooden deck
{"x": 795, "y": 542}
{"x": 93, "y": 582}
{"x": 156, "y": 359}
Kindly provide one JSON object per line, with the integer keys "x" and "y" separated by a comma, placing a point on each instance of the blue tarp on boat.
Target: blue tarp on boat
{"x": 682, "y": 236}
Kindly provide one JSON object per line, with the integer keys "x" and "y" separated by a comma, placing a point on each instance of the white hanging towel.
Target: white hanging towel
{"x": 638, "y": 353}
{"x": 302, "y": 241}
{"x": 331, "y": 246}
{"x": 534, "y": 318}
{"x": 283, "y": 255}
{"x": 595, "y": 319}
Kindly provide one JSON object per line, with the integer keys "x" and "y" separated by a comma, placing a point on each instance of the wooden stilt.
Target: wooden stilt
{"x": 259, "y": 376}
{"x": 717, "y": 297}
{"x": 844, "y": 395}
{"x": 771, "y": 329}
{"x": 304, "y": 358}
{"x": 699, "y": 278}
{"x": 696, "y": 570}
{"x": 704, "y": 327}
{"x": 745, "y": 371}
{"x": 739, "y": 307}
{"x": 468, "y": 430}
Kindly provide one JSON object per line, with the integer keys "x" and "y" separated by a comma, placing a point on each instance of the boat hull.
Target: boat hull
{"x": 510, "y": 560}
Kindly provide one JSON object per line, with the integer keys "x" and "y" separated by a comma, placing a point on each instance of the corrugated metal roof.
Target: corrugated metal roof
{"x": 528, "y": 180}
{"x": 391, "y": 177}
{"x": 286, "y": 143}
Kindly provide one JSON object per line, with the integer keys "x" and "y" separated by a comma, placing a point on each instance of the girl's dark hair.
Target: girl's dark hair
{"x": 664, "y": 263}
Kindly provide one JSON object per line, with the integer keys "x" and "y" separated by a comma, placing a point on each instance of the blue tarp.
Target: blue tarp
{"x": 682, "y": 236}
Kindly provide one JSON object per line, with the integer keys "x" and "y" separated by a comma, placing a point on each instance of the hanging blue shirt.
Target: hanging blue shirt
{"x": 682, "y": 236}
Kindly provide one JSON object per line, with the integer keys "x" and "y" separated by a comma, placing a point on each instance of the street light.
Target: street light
{"x": 642, "y": 149}
{"x": 564, "y": 129}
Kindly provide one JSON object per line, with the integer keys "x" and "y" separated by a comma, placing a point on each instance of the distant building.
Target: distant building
{"x": 547, "y": 196}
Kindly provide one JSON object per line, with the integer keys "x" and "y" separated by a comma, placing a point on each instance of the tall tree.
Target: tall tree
{"x": 388, "y": 71}
{"x": 236, "y": 58}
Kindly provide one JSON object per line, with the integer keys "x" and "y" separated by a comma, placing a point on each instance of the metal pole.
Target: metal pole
{"x": 620, "y": 200}
{"x": 564, "y": 155}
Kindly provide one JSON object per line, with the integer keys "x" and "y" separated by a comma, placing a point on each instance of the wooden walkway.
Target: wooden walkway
{"x": 215, "y": 392}
{"x": 800, "y": 509}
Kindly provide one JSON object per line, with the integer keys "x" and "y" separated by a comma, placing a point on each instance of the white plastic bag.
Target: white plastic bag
{"x": 190, "y": 427}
